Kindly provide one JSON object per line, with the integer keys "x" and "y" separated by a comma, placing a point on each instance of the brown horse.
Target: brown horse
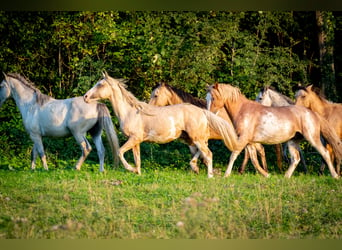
{"x": 311, "y": 98}
{"x": 272, "y": 125}
{"x": 164, "y": 94}
{"x": 143, "y": 122}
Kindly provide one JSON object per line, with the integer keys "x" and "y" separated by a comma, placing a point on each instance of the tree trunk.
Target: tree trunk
{"x": 326, "y": 53}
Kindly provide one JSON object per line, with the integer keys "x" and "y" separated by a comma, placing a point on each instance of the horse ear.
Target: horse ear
{"x": 216, "y": 86}
{"x": 309, "y": 87}
{"x": 6, "y": 77}
{"x": 105, "y": 74}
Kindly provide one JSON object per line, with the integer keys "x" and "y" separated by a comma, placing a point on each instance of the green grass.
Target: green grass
{"x": 166, "y": 203}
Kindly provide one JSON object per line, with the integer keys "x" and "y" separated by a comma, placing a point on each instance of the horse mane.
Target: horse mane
{"x": 288, "y": 99}
{"x": 132, "y": 100}
{"x": 41, "y": 98}
{"x": 319, "y": 93}
{"x": 232, "y": 95}
{"x": 186, "y": 97}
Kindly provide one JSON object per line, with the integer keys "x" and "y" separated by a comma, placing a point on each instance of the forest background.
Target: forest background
{"x": 63, "y": 53}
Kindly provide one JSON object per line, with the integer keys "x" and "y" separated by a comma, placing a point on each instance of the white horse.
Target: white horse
{"x": 45, "y": 116}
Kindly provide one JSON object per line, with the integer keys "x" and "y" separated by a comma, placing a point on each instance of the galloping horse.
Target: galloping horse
{"x": 45, "y": 116}
{"x": 270, "y": 97}
{"x": 311, "y": 98}
{"x": 273, "y": 125}
{"x": 143, "y": 122}
{"x": 163, "y": 94}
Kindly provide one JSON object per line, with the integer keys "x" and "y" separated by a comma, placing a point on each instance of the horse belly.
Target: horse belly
{"x": 163, "y": 130}
{"x": 53, "y": 122}
{"x": 274, "y": 131}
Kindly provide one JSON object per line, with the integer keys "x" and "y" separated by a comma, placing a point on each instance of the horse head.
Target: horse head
{"x": 5, "y": 90}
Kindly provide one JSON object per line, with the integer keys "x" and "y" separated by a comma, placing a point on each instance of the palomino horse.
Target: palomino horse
{"x": 270, "y": 97}
{"x": 255, "y": 122}
{"x": 163, "y": 94}
{"x": 45, "y": 116}
{"x": 311, "y": 98}
{"x": 143, "y": 122}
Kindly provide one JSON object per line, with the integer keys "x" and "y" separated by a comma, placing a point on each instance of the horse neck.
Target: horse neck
{"x": 174, "y": 99}
{"x": 120, "y": 103}
{"x": 23, "y": 96}
{"x": 233, "y": 107}
{"x": 279, "y": 100}
{"x": 318, "y": 105}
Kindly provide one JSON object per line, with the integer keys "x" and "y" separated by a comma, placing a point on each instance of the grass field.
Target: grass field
{"x": 166, "y": 203}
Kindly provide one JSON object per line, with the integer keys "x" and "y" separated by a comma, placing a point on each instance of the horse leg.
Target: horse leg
{"x": 326, "y": 156}
{"x": 38, "y": 148}
{"x": 129, "y": 144}
{"x": 244, "y": 163}
{"x": 86, "y": 148}
{"x": 295, "y": 157}
{"x": 34, "y": 154}
{"x": 333, "y": 159}
{"x": 261, "y": 151}
{"x": 207, "y": 157}
{"x": 195, "y": 155}
{"x": 253, "y": 154}
{"x": 100, "y": 150}
{"x": 302, "y": 158}
{"x": 279, "y": 155}
{"x": 232, "y": 159}
{"x": 136, "y": 155}
{"x": 315, "y": 141}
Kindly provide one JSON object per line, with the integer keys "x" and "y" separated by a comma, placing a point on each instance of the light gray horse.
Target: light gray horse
{"x": 45, "y": 116}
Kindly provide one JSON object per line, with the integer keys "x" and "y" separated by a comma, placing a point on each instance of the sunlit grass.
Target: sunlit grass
{"x": 167, "y": 203}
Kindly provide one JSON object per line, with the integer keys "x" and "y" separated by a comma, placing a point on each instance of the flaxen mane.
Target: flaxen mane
{"x": 132, "y": 100}
{"x": 232, "y": 95}
{"x": 41, "y": 98}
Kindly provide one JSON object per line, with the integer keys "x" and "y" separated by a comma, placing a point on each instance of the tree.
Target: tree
{"x": 325, "y": 30}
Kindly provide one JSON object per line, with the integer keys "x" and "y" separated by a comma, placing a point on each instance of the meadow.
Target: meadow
{"x": 165, "y": 202}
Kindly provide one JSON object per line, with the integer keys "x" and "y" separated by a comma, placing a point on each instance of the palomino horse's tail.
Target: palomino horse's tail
{"x": 223, "y": 128}
{"x": 105, "y": 119}
{"x": 332, "y": 138}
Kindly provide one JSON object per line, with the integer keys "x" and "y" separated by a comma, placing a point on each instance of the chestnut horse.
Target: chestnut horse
{"x": 311, "y": 98}
{"x": 255, "y": 122}
{"x": 164, "y": 94}
{"x": 140, "y": 122}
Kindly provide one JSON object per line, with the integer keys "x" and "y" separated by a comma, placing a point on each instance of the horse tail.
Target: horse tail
{"x": 106, "y": 121}
{"x": 332, "y": 138}
{"x": 223, "y": 128}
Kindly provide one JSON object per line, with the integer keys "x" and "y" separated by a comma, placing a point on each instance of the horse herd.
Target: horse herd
{"x": 226, "y": 114}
